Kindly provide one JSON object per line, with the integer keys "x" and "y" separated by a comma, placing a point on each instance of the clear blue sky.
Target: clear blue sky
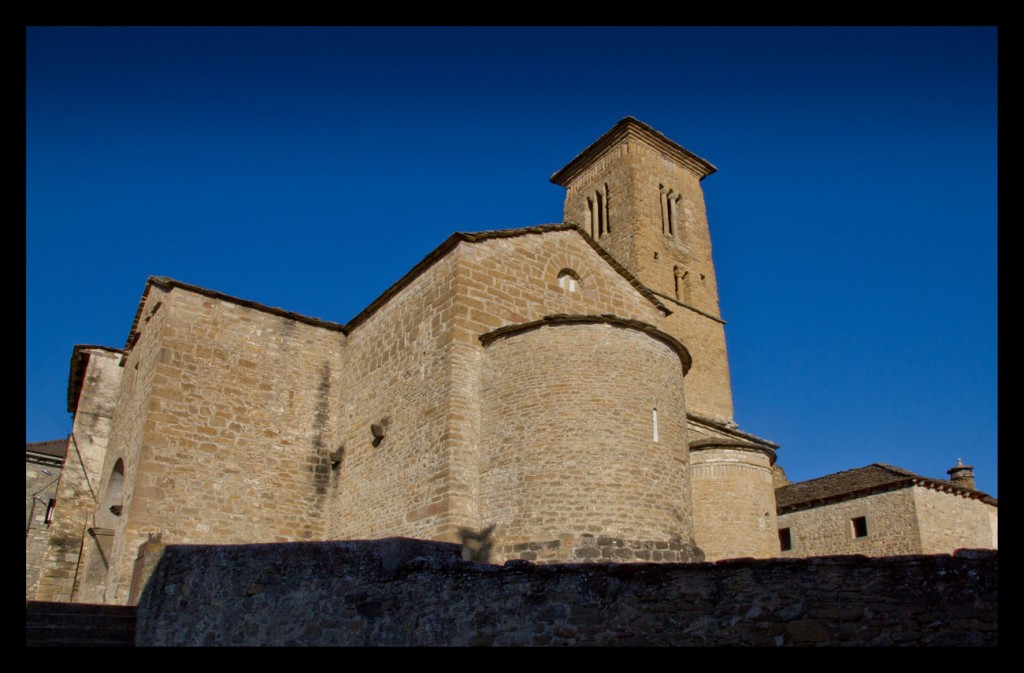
{"x": 853, "y": 215}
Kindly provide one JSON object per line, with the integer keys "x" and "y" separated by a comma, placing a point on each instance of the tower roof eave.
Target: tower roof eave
{"x": 626, "y": 128}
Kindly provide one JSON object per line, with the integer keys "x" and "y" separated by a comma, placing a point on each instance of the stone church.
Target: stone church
{"x": 556, "y": 393}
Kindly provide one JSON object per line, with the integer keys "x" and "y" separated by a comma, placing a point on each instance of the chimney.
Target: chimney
{"x": 962, "y": 475}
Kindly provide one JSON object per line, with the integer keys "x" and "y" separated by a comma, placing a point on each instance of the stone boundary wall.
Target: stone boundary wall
{"x": 414, "y": 593}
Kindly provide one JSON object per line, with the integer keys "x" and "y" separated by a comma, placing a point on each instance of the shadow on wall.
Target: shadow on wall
{"x": 476, "y": 545}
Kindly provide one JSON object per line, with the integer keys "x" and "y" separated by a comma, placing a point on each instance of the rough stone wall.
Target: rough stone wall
{"x": 993, "y": 520}
{"x": 733, "y": 503}
{"x": 417, "y": 360}
{"x": 708, "y": 385}
{"x": 506, "y": 281}
{"x": 635, "y": 175}
{"x": 411, "y": 593}
{"x": 41, "y": 477}
{"x": 892, "y": 526}
{"x": 614, "y": 175}
{"x": 398, "y": 366}
{"x": 570, "y": 448}
{"x": 107, "y": 569}
{"x": 949, "y": 521}
{"x": 227, "y": 430}
{"x": 77, "y": 490}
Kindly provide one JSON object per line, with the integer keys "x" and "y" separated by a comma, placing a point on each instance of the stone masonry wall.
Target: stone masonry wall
{"x": 41, "y": 477}
{"x": 227, "y": 433}
{"x": 635, "y": 174}
{"x": 416, "y": 361}
{"x": 410, "y": 593}
{"x": 733, "y": 503}
{"x": 79, "y": 485}
{"x": 949, "y": 521}
{"x": 708, "y": 385}
{"x": 892, "y": 526}
{"x": 506, "y": 281}
{"x": 107, "y": 572}
{"x": 398, "y": 367}
{"x": 570, "y": 449}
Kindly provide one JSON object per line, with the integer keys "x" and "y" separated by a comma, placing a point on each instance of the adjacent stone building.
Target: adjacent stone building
{"x": 43, "y": 463}
{"x": 549, "y": 393}
{"x": 881, "y": 510}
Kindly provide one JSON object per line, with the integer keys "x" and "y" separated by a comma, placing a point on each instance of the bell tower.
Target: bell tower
{"x": 638, "y": 195}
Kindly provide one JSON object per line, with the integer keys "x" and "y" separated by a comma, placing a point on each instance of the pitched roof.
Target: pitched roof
{"x": 167, "y": 283}
{"x": 860, "y": 481}
{"x": 452, "y": 241}
{"x": 631, "y": 127}
{"x": 428, "y": 261}
{"x": 54, "y": 447}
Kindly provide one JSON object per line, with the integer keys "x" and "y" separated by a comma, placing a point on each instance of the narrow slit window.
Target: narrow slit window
{"x": 654, "y": 418}
{"x": 607, "y": 212}
{"x": 597, "y": 213}
{"x": 669, "y": 210}
{"x": 49, "y": 511}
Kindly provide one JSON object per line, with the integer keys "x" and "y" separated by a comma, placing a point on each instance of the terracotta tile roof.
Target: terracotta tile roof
{"x": 849, "y": 483}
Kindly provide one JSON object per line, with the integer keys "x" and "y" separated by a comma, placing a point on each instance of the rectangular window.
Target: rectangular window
{"x": 860, "y": 526}
{"x": 785, "y": 539}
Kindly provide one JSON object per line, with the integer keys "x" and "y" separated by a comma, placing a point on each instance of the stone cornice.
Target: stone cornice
{"x": 738, "y": 444}
{"x": 692, "y": 308}
{"x": 719, "y": 426}
{"x": 630, "y": 128}
{"x": 607, "y": 319}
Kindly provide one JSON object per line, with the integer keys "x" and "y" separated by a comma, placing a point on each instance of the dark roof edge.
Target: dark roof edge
{"x": 52, "y": 449}
{"x": 608, "y": 319}
{"x": 742, "y": 445}
{"x": 631, "y": 126}
{"x": 436, "y": 254}
{"x": 721, "y": 427}
{"x": 169, "y": 283}
{"x": 905, "y": 478}
{"x": 810, "y": 502}
{"x": 458, "y": 237}
{"x": 687, "y": 306}
{"x": 623, "y": 271}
